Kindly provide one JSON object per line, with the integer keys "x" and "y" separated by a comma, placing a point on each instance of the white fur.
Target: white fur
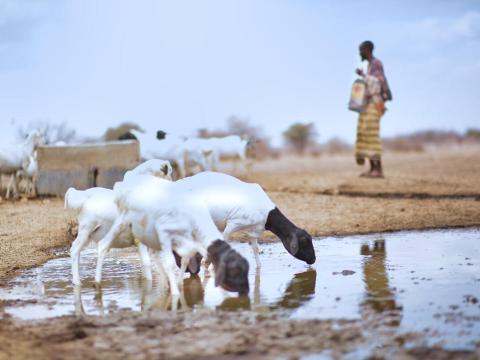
{"x": 163, "y": 219}
{"x": 234, "y": 205}
{"x": 13, "y": 157}
{"x": 97, "y": 212}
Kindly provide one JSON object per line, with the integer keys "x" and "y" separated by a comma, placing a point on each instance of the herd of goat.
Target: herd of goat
{"x": 187, "y": 154}
{"x": 177, "y": 224}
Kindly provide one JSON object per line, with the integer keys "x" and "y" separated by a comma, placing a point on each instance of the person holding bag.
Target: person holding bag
{"x": 371, "y": 108}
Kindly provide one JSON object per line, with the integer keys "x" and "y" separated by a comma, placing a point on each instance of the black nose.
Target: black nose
{"x": 311, "y": 261}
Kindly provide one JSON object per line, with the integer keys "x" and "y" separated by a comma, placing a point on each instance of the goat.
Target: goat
{"x": 96, "y": 212}
{"x": 238, "y": 206}
{"x": 165, "y": 219}
{"x": 13, "y": 156}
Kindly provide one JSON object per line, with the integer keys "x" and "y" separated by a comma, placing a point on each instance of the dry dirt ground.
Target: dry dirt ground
{"x": 324, "y": 195}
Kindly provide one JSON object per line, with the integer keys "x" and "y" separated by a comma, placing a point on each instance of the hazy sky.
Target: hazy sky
{"x": 181, "y": 65}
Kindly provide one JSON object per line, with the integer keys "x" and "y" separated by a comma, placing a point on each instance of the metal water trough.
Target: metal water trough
{"x": 84, "y": 166}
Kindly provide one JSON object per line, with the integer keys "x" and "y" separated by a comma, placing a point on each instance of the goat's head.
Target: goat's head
{"x": 231, "y": 268}
{"x": 166, "y": 171}
{"x": 161, "y": 135}
{"x": 193, "y": 265}
{"x": 127, "y": 136}
{"x": 297, "y": 241}
{"x": 300, "y": 245}
{"x": 36, "y": 138}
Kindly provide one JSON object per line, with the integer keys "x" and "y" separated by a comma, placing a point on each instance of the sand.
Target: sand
{"x": 324, "y": 195}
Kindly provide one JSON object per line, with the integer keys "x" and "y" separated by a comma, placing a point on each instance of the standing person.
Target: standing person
{"x": 368, "y": 144}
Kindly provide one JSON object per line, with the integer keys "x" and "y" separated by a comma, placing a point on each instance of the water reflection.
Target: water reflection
{"x": 378, "y": 294}
{"x": 155, "y": 295}
{"x": 300, "y": 290}
{"x": 422, "y": 278}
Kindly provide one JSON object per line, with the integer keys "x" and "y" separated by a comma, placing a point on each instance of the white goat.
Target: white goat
{"x": 232, "y": 146}
{"x": 13, "y": 156}
{"x": 168, "y": 220}
{"x": 186, "y": 153}
{"x": 199, "y": 152}
{"x": 237, "y": 206}
{"x": 96, "y": 212}
{"x": 171, "y": 149}
{"x": 29, "y": 175}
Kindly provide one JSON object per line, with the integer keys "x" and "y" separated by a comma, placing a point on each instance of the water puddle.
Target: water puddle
{"x": 426, "y": 281}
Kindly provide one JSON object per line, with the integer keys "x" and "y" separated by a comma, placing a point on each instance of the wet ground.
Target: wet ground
{"x": 427, "y": 282}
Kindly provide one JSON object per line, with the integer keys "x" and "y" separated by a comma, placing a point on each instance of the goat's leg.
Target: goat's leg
{"x": 256, "y": 289}
{"x": 182, "y": 166}
{"x": 82, "y": 239}
{"x": 77, "y": 297}
{"x": 146, "y": 295}
{"x": 15, "y": 187}
{"x": 215, "y": 161}
{"x": 34, "y": 185}
{"x": 9, "y": 186}
{"x": 105, "y": 244}
{"x": 183, "y": 269}
{"x": 167, "y": 258}
{"x": 32, "y": 191}
{"x": 146, "y": 261}
{"x": 256, "y": 250}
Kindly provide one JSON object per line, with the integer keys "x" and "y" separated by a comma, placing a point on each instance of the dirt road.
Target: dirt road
{"x": 324, "y": 195}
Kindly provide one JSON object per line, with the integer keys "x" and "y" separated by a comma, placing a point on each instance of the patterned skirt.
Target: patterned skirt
{"x": 368, "y": 134}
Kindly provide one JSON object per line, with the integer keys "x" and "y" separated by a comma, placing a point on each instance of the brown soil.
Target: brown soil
{"x": 324, "y": 195}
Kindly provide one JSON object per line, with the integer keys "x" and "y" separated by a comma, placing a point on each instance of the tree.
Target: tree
{"x": 115, "y": 132}
{"x": 52, "y": 132}
{"x": 299, "y": 136}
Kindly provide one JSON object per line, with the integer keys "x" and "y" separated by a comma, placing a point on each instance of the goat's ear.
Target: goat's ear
{"x": 293, "y": 246}
{"x": 220, "y": 273}
{"x": 194, "y": 264}
{"x": 166, "y": 169}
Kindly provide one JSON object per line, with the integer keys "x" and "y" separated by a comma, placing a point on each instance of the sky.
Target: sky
{"x": 183, "y": 65}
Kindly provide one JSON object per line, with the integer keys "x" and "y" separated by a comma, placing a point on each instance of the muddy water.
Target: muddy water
{"x": 426, "y": 282}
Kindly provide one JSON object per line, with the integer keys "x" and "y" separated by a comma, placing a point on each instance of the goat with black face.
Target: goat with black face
{"x": 297, "y": 241}
{"x": 237, "y": 206}
{"x": 231, "y": 268}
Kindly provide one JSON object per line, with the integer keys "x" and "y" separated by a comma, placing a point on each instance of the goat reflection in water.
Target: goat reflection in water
{"x": 378, "y": 295}
{"x": 155, "y": 296}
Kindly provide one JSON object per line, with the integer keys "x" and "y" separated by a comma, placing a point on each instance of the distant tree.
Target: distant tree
{"x": 336, "y": 146}
{"x": 473, "y": 133}
{"x": 299, "y": 136}
{"x": 114, "y": 133}
{"x": 242, "y": 127}
{"x": 52, "y": 132}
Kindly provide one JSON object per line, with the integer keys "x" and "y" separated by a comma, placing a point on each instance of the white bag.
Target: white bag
{"x": 358, "y": 96}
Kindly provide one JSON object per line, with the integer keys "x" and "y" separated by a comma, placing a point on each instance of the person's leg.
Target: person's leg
{"x": 368, "y": 172}
{"x": 370, "y": 144}
{"x": 360, "y": 143}
{"x": 377, "y": 170}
